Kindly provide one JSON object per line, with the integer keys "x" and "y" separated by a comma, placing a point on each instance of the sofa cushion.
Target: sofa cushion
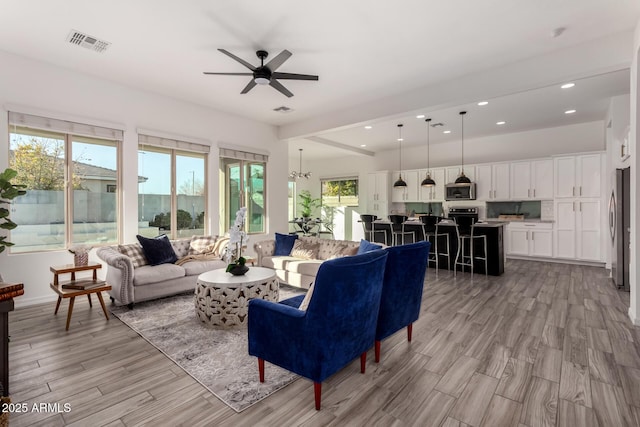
{"x": 181, "y": 247}
{"x": 150, "y": 274}
{"x": 284, "y": 243}
{"x": 277, "y": 262}
{"x": 306, "y": 267}
{"x": 202, "y": 244}
{"x": 330, "y": 249}
{"x": 305, "y": 249}
{"x": 367, "y": 246}
{"x": 135, "y": 252}
{"x": 158, "y": 250}
{"x": 192, "y": 268}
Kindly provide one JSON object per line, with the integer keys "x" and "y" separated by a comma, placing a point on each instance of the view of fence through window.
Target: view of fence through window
{"x": 244, "y": 184}
{"x": 40, "y": 158}
{"x": 156, "y": 206}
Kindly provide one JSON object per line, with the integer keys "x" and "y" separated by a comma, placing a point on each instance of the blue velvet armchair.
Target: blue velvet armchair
{"x": 401, "y": 290}
{"x": 338, "y": 326}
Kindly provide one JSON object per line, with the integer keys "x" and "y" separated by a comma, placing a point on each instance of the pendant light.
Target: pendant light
{"x": 428, "y": 182}
{"x": 299, "y": 174}
{"x": 400, "y": 182}
{"x": 462, "y": 179}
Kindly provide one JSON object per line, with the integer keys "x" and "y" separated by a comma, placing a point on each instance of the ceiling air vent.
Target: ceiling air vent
{"x": 86, "y": 41}
{"x": 283, "y": 109}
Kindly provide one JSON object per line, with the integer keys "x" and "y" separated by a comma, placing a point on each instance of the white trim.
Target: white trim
{"x": 63, "y": 116}
{"x": 169, "y": 135}
{"x": 340, "y": 177}
{"x": 634, "y": 320}
{"x": 223, "y": 145}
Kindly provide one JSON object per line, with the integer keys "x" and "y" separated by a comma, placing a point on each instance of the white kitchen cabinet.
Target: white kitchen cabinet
{"x": 411, "y": 192}
{"x": 578, "y": 176}
{"x": 578, "y": 229}
{"x": 492, "y": 182}
{"x": 532, "y": 180}
{"x": 435, "y": 193}
{"x": 378, "y": 193}
{"x": 530, "y": 239}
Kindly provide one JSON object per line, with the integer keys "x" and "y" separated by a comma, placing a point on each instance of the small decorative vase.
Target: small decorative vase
{"x": 80, "y": 259}
{"x": 239, "y": 270}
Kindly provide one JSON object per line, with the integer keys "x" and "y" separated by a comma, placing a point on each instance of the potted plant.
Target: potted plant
{"x": 307, "y": 203}
{"x": 8, "y": 192}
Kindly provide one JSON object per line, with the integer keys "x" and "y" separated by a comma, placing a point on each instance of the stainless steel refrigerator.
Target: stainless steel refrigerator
{"x": 620, "y": 228}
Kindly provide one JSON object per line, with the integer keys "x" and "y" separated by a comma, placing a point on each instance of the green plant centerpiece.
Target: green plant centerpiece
{"x": 233, "y": 250}
{"x": 307, "y": 203}
{"x": 8, "y": 192}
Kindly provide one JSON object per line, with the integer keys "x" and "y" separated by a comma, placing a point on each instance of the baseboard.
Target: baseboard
{"x": 558, "y": 260}
{"x": 633, "y": 319}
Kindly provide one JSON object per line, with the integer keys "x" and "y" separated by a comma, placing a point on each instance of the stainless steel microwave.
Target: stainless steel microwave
{"x": 465, "y": 191}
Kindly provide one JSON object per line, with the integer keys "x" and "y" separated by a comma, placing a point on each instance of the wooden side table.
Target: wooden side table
{"x": 78, "y": 287}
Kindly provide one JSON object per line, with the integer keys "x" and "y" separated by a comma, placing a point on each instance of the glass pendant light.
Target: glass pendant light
{"x": 400, "y": 182}
{"x": 462, "y": 179}
{"x": 299, "y": 174}
{"x": 428, "y": 182}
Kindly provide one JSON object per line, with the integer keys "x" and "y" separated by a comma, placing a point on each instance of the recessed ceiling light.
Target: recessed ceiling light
{"x": 420, "y": 116}
{"x": 363, "y": 145}
{"x": 368, "y": 127}
{"x": 567, "y": 85}
{"x": 570, "y": 111}
{"x": 400, "y": 139}
{"x": 446, "y": 131}
{"x": 482, "y": 103}
{"x": 500, "y": 123}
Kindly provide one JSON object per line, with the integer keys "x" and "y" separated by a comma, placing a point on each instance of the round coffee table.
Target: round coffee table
{"x": 222, "y": 299}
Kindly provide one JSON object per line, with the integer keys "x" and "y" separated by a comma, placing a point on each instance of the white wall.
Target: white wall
{"x": 39, "y": 88}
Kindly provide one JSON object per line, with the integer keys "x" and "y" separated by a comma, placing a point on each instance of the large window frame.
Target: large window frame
{"x": 179, "y": 197}
{"x": 243, "y": 183}
{"x": 73, "y": 205}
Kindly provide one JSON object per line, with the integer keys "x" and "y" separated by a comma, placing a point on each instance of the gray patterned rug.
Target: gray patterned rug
{"x": 218, "y": 359}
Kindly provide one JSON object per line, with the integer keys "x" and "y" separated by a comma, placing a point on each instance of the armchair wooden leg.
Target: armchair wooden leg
{"x": 363, "y": 362}
{"x": 377, "y": 351}
{"x": 409, "y": 331}
{"x": 317, "y": 391}
{"x": 261, "y": 369}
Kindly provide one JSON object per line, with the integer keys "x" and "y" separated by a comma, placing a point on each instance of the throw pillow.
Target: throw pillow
{"x": 284, "y": 243}
{"x": 158, "y": 250}
{"x": 135, "y": 253}
{"x": 367, "y": 246}
{"x": 305, "y": 250}
{"x": 201, "y": 244}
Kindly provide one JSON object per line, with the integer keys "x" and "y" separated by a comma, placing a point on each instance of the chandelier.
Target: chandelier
{"x": 295, "y": 175}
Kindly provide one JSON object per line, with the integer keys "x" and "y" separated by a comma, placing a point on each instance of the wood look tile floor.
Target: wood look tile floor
{"x": 543, "y": 345}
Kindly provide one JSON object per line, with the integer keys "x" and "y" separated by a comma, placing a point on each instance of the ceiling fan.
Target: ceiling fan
{"x": 266, "y": 74}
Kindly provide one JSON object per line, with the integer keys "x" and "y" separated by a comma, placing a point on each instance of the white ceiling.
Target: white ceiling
{"x": 363, "y": 51}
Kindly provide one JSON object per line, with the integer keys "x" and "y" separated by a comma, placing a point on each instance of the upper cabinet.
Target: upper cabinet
{"x": 435, "y": 193}
{"x": 578, "y": 176}
{"x": 409, "y": 193}
{"x": 492, "y": 181}
{"x": 378, "y": 193}
{"x": 532, "y": 180}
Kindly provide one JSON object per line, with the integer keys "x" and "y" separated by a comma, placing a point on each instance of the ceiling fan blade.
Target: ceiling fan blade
{"x": 228, "y": 74}
{"x": 278, "y": 86}
{"x": 240, "y": 60}
{"x": 292, "y": 76}
{"x": 248, "y": 87}
{"x": 278, "y": 60}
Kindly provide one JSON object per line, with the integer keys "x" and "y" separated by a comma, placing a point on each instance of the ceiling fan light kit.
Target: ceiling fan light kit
{"x": 400, "y": 182}
{"x": 462, "y": 179}
{"x": 266, "y": 74}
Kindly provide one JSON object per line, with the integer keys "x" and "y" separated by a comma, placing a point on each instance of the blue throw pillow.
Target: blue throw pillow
{"x": 284, "y": 243}
{"x": 367, "y": 246}
{"x": 158, "y": 250}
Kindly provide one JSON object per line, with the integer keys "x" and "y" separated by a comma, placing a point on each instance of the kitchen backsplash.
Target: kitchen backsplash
{"x": 530, "y": 209}
{"x": 546, "y": 210}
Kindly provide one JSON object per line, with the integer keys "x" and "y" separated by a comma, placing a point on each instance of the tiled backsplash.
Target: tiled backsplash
{"x": 546, "y": 210}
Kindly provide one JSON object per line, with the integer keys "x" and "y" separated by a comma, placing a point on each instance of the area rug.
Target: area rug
{"x": 216, "y": 358}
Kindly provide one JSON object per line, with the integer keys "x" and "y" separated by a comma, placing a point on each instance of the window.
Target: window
{"x": 171, "y": 187}
{"x": 67, "y": 168}
{"x": 244, "y": 180}
{"x": 339, "y": 192}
